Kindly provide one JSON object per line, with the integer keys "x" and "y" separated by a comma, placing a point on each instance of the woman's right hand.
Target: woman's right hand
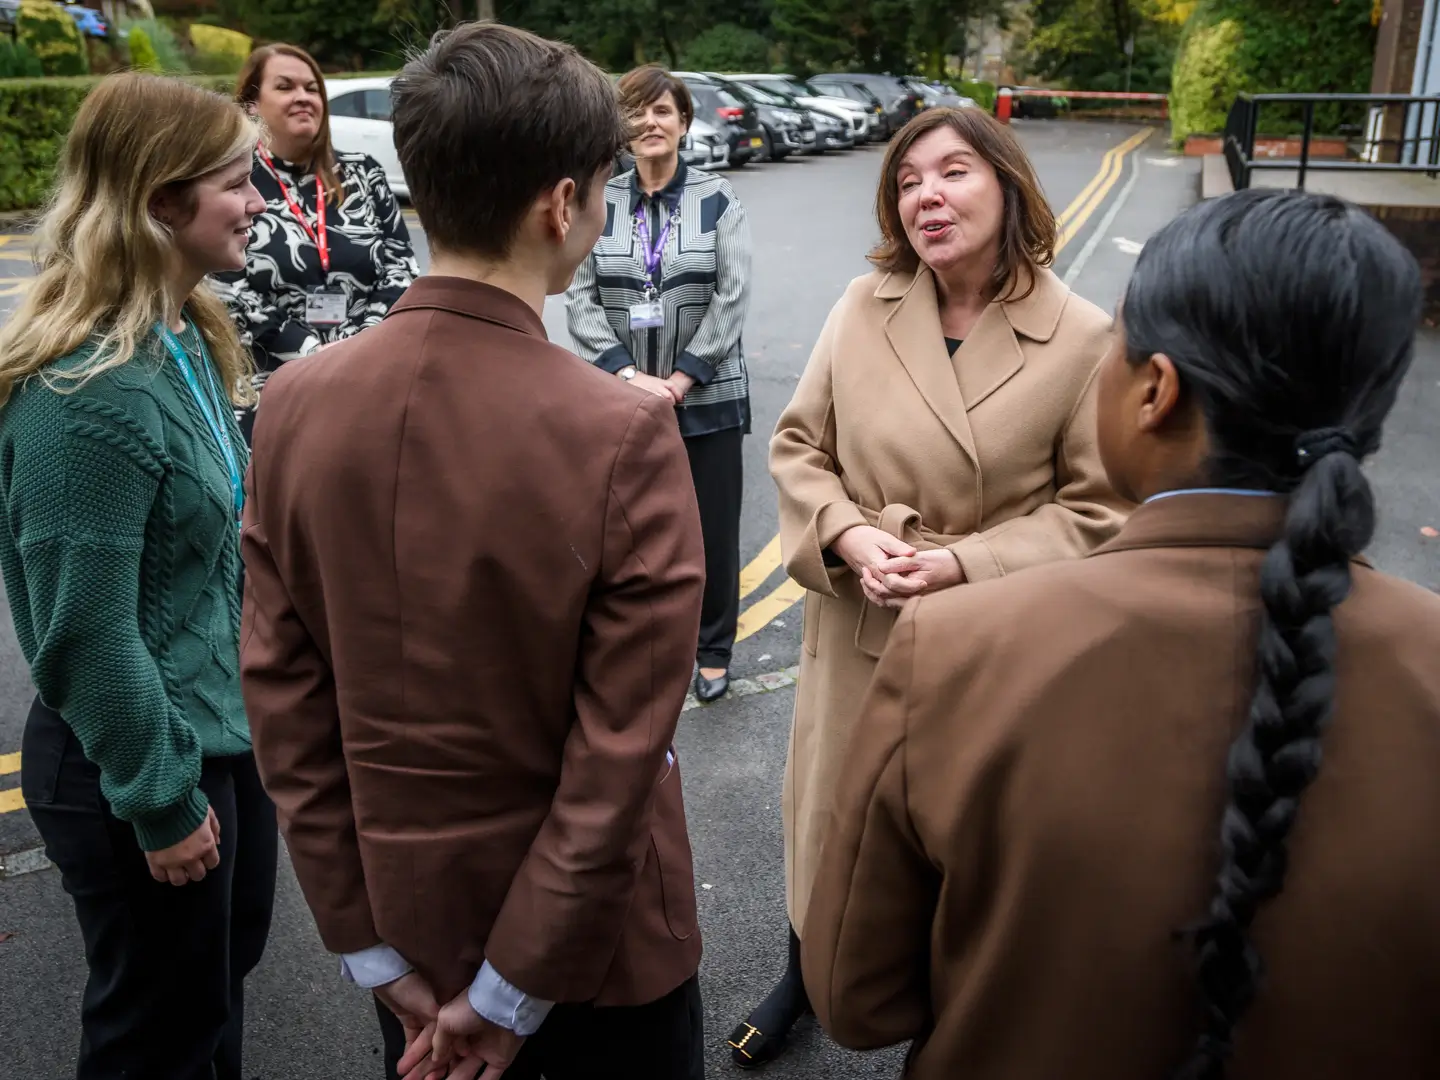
{"x": 863, "y": 546}
{"x": 188, "y": 860}
{"x": 651, "y": 385}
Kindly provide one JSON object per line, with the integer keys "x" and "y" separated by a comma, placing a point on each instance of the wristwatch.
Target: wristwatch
{"x": 627, "y": 373}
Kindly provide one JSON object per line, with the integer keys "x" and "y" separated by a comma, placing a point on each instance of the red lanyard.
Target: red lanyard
{"x": 316, "y": 234}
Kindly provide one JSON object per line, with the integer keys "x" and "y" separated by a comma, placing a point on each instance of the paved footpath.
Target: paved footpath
{"x": 812, "y": 225}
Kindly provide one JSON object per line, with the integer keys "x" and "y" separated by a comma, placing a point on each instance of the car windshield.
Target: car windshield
{"x": 762, "y": 97}
{"x": 728, "y": 99}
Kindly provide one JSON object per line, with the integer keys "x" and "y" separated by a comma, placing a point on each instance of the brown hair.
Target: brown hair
{"x": 648, "y": 84}
{"x": 1027, "y": 231}
{"x": 247, "y": 92}
{"x": 103, "y": 261}
{"x": 488, "y": 118}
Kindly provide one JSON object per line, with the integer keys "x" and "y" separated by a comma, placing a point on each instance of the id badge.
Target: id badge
{"x": 325, "y": 307}
{"x": 647, "y": 315}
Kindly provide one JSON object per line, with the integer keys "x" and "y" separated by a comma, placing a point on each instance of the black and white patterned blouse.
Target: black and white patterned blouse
{"x": 371, "y": 260}
{"x": 704, "y": 285}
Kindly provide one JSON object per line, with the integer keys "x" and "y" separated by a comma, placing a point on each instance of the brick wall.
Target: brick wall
{"x": 1418, "y": 228}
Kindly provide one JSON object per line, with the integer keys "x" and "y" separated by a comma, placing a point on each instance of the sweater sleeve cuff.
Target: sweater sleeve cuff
{"x": 700, "y": 370}
{"x": 976, "y": 559}
{"x": 613, "y": 359}
{"x": 173, "y": 824}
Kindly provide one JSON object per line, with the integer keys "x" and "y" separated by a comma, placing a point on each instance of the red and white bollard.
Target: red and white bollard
{"x": 1002, "y": 105}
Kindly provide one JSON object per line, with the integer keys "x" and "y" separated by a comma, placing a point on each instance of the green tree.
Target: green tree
{"x": 1080, "y": 44}
{"x": 727, "y": 47}
{"x": 939, "y": 29}
{"x": 814, "y": 35}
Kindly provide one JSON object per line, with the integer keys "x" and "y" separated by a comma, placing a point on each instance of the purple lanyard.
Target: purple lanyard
{"x": 651, "y": 256}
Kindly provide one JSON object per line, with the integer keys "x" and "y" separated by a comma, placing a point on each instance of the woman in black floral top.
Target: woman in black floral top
{"x": 314, "y": 273}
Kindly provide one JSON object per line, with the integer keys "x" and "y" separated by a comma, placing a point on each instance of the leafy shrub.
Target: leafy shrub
{"x": 166, "y": 45}
{"x": 52, "y": 36}
{"x": 142, "y": 52}
{"x": 982, "y": 92}
{"x": 219, "y": 51}
{"x": 1271, "y": 46}
{"x": 35, "y": 115}
{"x": 17, "y": 61}
{"x": 727, "y": 47}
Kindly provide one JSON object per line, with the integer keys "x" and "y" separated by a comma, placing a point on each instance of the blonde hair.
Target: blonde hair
{"x": 102, "y": 260}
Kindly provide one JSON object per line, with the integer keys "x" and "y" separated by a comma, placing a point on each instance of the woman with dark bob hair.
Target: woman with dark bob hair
{"x": 1166, "y": 811}
{"x": 943, "y": 433}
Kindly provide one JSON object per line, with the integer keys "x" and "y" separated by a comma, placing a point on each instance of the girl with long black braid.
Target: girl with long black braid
{"x": 1025, "y": 828}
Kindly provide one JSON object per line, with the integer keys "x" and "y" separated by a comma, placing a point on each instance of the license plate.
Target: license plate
{"x": 757, "y": 142}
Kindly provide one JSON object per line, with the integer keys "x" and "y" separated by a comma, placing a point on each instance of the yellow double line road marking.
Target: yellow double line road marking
{"x": 10, "y": 798}
{"x": 1071, "y": 220}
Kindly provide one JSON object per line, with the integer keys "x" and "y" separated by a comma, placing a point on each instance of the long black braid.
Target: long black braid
{"x": 1291, "y": 319}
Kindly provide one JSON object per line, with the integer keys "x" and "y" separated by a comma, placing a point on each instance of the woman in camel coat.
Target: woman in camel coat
{"x": 943, "y": 432}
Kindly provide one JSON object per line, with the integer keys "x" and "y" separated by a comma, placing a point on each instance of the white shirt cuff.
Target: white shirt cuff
{"x": 375, "y": 966}
{"x": 500, "y": 1003}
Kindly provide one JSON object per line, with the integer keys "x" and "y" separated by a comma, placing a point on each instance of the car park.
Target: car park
{"x": 785, "y": 129}
{"x": 879, "y": 121}
{"x": 899, "y": 101}
{"x": 705, "y": 146}
{"x": 360, "y": 124}
{"x": 739, "y": 120}
{"x": 848, "y": 112}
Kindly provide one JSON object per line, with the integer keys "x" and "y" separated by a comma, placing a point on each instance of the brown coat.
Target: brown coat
{"x": 992, "y": 455}
{"x": 474, "y": 570}
{"x": 1032, "y": 806}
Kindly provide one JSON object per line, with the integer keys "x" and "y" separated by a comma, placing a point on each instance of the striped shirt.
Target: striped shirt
{"x": 703, "y": 282}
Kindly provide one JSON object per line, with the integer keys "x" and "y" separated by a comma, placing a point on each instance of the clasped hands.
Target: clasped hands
{"x": 449, "y": 1043}
{"x": 890, "y": 570}
{"x": 675, "y": 387}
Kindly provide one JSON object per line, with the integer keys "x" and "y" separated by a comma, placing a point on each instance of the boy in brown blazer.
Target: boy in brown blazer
{"x": 1169, "y": 810}
{"x": 474, "y": 572}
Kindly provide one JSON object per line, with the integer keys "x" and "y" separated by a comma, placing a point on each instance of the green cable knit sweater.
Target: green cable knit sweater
{"x": 121, "y": 558}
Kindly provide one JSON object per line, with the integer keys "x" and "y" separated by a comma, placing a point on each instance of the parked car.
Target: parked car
{"x": 360, "y": 124}
{"x": 705, "y": 146}
{"x": 786, "y": 130}
{"x": 879, "y": 120}
{"x": 9, "y": 12}
{"x": 848, "y": 112}
{"x": 88, "y": 21}
{"x": 900, "y": 102}
{"x": 937, "y": 94}
{"x": 738, "y": 119}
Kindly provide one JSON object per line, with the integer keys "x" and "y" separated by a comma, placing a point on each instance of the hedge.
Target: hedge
{"x": 36, "y": 114}
{"x": 983, "y": 93}
{"x": 218, "y": 50}
{"x": 1270, "y": 46}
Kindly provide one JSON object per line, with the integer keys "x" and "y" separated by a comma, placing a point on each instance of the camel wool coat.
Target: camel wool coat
{"x": 990, "y": 453}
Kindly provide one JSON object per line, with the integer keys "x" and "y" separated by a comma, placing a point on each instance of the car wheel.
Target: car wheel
{"x": 767, "y": 146}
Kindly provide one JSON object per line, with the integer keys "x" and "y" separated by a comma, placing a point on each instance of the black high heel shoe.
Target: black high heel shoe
{"x": 708, "y": 690}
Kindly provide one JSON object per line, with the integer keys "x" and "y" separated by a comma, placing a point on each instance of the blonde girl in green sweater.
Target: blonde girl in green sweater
{"x": 120, "y": 487}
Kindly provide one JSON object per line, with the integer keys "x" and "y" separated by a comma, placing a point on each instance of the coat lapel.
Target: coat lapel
{"x": 913, "y": 328}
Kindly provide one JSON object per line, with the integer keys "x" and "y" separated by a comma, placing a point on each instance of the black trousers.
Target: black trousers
{"x": 664, "y": 1040}
{"x": 718, "y": 468}
{"x": 165, "y": 996}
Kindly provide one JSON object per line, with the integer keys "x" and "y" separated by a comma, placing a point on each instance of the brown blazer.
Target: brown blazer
{"x": 1032, "y": 806}
{"x": 473, "y": 578}
{"x": 991, "y": 454}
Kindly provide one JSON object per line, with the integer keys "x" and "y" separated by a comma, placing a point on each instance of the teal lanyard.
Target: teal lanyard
{"x": 210, "y": 405}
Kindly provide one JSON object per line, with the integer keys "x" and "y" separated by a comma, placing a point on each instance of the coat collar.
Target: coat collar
{"x": 669, "y": 194}
{"x": 990, "y": 355}
{"x": 473, "y": 299}
{"x": 1202, "y": 520}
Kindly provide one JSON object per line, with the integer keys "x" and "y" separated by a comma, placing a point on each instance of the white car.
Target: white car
{"x": 705, "y": 146}
{"x": 360, "y": 124}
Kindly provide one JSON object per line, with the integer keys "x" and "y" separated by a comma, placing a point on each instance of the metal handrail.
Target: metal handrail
{"x": 1242, "y": 125}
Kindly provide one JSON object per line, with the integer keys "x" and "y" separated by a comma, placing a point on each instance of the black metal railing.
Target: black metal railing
{"x": 1242, "y": 127}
